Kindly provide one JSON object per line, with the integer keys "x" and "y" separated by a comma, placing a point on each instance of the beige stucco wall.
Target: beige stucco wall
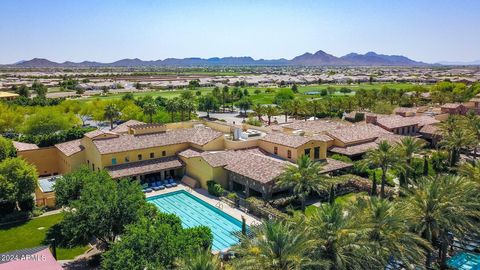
{"x": 45, "y": 160}
{"x": 235, "y": 145}
{"x": 170, "y": 150}
{"x": 282, "y": 150}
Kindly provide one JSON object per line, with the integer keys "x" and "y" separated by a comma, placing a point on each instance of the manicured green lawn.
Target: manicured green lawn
{"x": 265, "y": 98}
{"x": 31, "y": 234}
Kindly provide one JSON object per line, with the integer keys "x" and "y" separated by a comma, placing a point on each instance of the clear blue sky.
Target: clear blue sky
{"x": 105, "y": 30}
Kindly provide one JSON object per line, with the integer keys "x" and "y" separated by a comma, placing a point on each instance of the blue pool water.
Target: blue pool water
{"x": 465, "y": 261}
{"x": 194, "y": 212}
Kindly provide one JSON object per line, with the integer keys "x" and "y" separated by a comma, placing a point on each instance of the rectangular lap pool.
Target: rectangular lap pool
{"x": 194, "y": 212}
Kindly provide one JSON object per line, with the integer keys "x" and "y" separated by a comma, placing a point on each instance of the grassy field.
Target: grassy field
{"x": 31, "y": 234}
{"x": 265, "y": 98}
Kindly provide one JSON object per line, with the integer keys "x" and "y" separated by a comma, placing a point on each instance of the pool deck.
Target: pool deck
{"x": 204, "y": 196}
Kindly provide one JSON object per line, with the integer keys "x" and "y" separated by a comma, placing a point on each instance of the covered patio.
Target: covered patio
{"x": 144, "y": 171}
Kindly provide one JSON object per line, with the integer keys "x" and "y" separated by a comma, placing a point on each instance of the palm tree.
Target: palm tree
{"x": 296, "y": 106}
{"x": 442, "y": 206}
{"x": 314, "y": 107}
{"x": 200, "y": 260}
{"x": 171, "y": 105}
{"x": 386, "y": 227}
{"x": 271, "y": 110}
{"x": 190, "y": 107}
{"x": 183, "y": 108}
{"x": 258, "y": 111}
{"x": 471, "y": 170}
{"x": 286, "y": 109}
{"x": 303, "y": 178}
{"x": 453, "y": 142}
{"x": 224, "y": 96}
{"x": 276, "y": 245}
{"x": 150, "y": 109}
{"x": 407, "y": 147}
{"x": 111, "y": 112}
{"x": 339, "y": 240}
{"x": 473, "y": 123}
{"x": 384, "y": 157}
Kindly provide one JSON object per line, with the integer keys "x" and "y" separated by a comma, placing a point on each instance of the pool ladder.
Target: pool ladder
{"x": 219, "y": 205}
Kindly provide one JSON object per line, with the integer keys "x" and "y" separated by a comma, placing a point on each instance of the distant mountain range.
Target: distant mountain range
{"x": 319, "y": 58}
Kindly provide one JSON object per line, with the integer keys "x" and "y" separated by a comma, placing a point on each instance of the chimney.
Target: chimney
{"x": 371, "y": 119}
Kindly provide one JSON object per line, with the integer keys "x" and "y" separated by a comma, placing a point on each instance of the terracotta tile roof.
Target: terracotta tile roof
{"x": 127, "y": 142}
{"x": 96, "y": 133}
{"x": 355, "y": 149}
{"x": 358, "y": 133}
{"x": 430, "y": 129}
{"x": 405, "y": 109}
{"x": 214, "y": 159}
{"x": 475, "y": 99}
{"x": 144, "y": 167}
{"x": 317, "y": 126}
{"x": 123, "y": 128}
{"x": 332, "y": 165}
{"x": 451, "y": 105}
{"x": 396, "y": 121}
{"x": 293, "y": 140}
{"x": 391, "y": 138}
{"x": 70, "y": 148}
{"x": 20, "y": 146}
{"x": 261, "y": 168}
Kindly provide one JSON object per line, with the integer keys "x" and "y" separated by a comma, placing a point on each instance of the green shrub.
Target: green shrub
{"x": 214, "y": 188}
{"x": 263, "y": 209}
{"x": 341, "y": 158}
{"x": 254, "y": 122}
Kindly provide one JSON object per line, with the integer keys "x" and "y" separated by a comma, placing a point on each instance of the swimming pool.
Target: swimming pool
{"x": 465, "y": 261}
{"x": 194, "y": 212}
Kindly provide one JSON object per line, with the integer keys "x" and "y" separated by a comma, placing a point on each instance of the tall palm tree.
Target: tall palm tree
{"x": 386, "y": 227}
{"x": 286, "y": 109}
{"x": 111, "y": 112}
{"x": 258, "y": 110}
{"x": 200, "y": 260}
{"x": 339, "y": 240}
{"x": 314, "y": 106}
{"x": 304, "y": 178}
{"x": 471, "y": 170}
{"x": 407, "y": 147}
{"x": 276, "y": 245}
{"x": 171, "y": 105}
{"x": 150, "y": 109}
{"x": 442, "y": 206}
{"x": 384, "y": 157}
{"x": 453, "y": 142}
{"x": 473, "y": 123}
{"x": 296, "y": 106}
{"x": 271, "y": 110}
{"x": 190, "y": 107}
{"x": 183, "y": 108}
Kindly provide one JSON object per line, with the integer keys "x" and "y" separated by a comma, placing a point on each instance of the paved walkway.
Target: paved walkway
{"x": 204, "y": 196}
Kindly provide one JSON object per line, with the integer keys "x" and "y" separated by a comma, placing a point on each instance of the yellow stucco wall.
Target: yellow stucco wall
{"x": 44, "y": 198}
{"x": 235, "y": 145}
{"x": 170, "y": 150}
{"x": 282, "y": 150}
{"x": 44, "y": 159}
{"x": 199, "y": 169}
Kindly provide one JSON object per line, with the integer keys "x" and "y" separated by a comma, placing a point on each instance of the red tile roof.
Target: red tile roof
{"x": 144, "y": 167}
{"x": 355, "y": 149}
{"x": 317, "y": 126}
{"x": 20, "y": 146}
{"x": 127, "y": 142}
{"x": 70, "y": 148}
{"x": 123, "y": 128}
{"x": 358, "y": 133}
{"x": 293, "y": 140}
